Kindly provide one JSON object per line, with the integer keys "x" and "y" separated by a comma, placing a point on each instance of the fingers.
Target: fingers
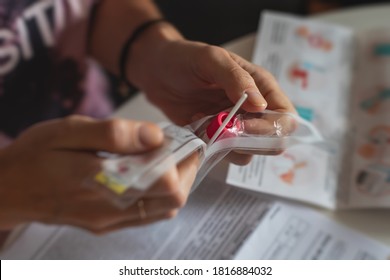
{"x": 239, "y": 158}
{"x": 162, "y": 201}
{"x": 115, "y": 135}
{"x": 236, "y": 75}
{"x": 271, "y": 91}
{"x": 135, "y": 223}
{"x": 259, "y": 126}
{"x": 267, "y": 85}
{"x": 219, "y": 67}
{"x": 166, "y": 184}
{"x": 177, "y": 180}
{"x": 187, "y": 170}
{"x": 101, "y": 216}
{"x": 269, "y": 124}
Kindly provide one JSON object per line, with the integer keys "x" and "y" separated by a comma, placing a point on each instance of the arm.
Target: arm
{"x": 185, "y": 79}
{"x": 43, "y": 172}
{"x": 114, "y": 22}
{"x": 163, "y": 58}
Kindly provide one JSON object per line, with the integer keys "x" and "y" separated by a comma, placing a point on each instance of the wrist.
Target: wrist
{"x": 111, "y": 24}
{"x": 145, "y": 53}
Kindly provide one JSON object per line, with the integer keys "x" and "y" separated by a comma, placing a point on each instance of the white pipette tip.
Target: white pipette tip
{"x": 228, "y": 118}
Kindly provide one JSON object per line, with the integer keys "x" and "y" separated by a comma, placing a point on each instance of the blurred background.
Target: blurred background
{"x": 219, "y": 21}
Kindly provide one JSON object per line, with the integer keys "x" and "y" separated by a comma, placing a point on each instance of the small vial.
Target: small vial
{"x": 217, "y": 122}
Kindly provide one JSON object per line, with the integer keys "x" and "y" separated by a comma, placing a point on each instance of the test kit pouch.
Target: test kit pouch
{"x": 126, "y": 178}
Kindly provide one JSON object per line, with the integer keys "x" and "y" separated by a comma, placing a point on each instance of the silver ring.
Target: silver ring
{"x": 141, "y": 209}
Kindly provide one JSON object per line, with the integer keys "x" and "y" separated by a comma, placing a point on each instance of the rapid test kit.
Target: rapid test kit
{"x": 212, "y": 137}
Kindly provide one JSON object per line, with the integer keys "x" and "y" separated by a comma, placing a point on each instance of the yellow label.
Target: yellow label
{"x": 110, "y": 183}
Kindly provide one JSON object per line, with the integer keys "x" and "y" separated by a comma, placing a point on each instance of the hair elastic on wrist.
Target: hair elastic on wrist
{"x": 126, "y": 47}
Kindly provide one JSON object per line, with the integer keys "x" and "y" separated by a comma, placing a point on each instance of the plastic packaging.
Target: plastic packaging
{"x": 268, "y": 133}
{"x": 127, "y": 177}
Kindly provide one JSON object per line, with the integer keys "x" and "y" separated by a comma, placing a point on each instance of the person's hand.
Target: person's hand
{"x": 185, "y": 78}
{"x": 43, "y": 175}
{"x": 188, "y": 80}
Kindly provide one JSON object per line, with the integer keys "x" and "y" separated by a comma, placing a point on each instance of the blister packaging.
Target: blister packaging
{"x": 126, "y": 178}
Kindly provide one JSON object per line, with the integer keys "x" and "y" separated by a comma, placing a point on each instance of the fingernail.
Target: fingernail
{"x": 150, "y": 135}
{"x": 256, "y": 98}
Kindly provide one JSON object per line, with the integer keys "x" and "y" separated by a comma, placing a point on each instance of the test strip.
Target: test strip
{"x": 228, "y": 118}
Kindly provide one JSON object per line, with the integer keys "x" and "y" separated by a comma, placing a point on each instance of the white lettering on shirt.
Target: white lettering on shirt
{"x": 11, "y": 53}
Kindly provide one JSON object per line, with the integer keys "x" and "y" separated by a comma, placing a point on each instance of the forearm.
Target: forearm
{"x": 113, "y": 23}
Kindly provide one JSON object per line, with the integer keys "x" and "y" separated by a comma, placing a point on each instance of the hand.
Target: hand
{"x": 188, "y": 80}
{"x": 43, "y": 175}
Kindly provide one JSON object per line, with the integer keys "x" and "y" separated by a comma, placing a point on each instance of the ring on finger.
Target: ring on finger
{"x": 141, "y": 209}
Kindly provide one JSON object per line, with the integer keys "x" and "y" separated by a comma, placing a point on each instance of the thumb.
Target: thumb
{"x": 115, "y": 135}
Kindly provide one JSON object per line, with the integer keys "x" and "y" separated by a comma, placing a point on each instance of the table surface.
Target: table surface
{"x": 374, "y": 223}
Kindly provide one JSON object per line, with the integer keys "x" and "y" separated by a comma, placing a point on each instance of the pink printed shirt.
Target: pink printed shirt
{"x": 45, "y": 71}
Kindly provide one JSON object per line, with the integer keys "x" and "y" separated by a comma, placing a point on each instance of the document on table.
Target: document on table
{"x": 338, "y": 80}
{"x": 293, "y": 232}
{"x": 289, "y": 175}
{"x": 218, "y": 222}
